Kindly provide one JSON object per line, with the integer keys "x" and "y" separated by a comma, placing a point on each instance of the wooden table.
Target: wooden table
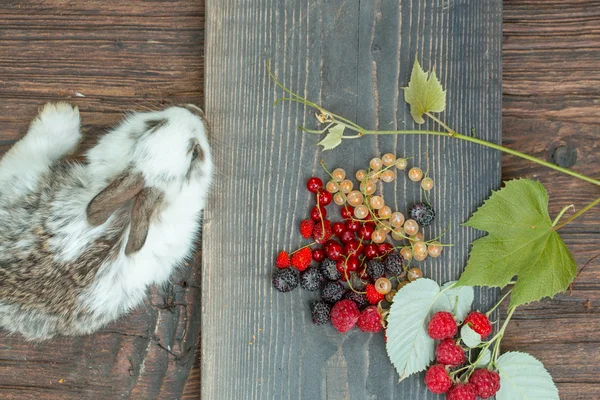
{"x": 146, "y": 54}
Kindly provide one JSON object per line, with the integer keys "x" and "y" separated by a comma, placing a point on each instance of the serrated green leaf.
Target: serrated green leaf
{"x": 520, "y": 242}
{"x": 522, "y": 377}
{"x": 469, "y": 337}
{"x": 424, "y": 94}
{"x": 485, "y": 359}
{"x": 408, "y": 345}
{"x": 461, "y": 298}
{"x": 333, "y": 138}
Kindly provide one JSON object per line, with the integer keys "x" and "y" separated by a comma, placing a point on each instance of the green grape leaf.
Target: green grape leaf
{"x": 333, "y": 138}
{"x": 408, "y": 345}
{"x": 424, "y": 94}
{"x": 461, "y": 298}
{"x": 469, "y": 337}
{"x": 522, "y": 377}
{"x": 520, "y": 242}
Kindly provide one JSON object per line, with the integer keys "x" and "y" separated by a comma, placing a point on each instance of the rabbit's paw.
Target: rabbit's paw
{"x": 57, "y": 128}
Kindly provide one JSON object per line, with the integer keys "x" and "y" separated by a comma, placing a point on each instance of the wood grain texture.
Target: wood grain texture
{"x": 121, "y": 57}
{"x": 551, "y": 92}
{"x": 353, "y": 57}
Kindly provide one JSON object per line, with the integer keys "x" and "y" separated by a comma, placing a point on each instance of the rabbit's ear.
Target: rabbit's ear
{"x": 122, "y": 189}
{"x": 145, "y": 205}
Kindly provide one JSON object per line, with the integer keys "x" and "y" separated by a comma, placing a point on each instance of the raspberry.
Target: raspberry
{"x": 306, "y": 228}
{"x": 329, "y": 270}
{"x": 423, "y": 213}
{"x": 461, "y": 392}
{"x": 394, "y": 264}
{"x": 344, "y": 315}
{"x": 321, "y": 312}
{"x": 332, "y": 292}
{"x": 485, "y": 382}
{"x": 285, "y": 280}
{"x": 479, "y": 323}
{"x": 321, "y": 236}
{"x": 449, "y": 353}
{"x": 283, "y": 260}
{"x": 311, "y": 279}
{"x": 442, "y": 326}
{"x": 437, "y": 379}
{"x": 373, "y": 296}
{"x": 358, "y": 298}
{"x": 369, "y": 320}
{"x": 302, "y": 259}
{"x": 375, "y": 269}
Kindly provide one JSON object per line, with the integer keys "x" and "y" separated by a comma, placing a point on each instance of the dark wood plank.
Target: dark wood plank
{"x": 121, "y": 57}
{"x": 551, "y": 86}
{"x": 353, "y": 56}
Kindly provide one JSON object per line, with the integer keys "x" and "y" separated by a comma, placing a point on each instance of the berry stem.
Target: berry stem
{"x": 498, "y": 303}
{"x": 303, "y": 247}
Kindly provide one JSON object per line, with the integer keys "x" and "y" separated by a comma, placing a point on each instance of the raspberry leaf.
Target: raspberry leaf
{"x": 408, "y": 345}
{"x": 461, "y": 298}
{"x": 524, "y": 377}
{"x": 424, "y": 94}
{"x": 333, "y": 138}
{"x": 469, "y": 337}
{"x": 520, "y": 242}
{"x": 484, "y": 359}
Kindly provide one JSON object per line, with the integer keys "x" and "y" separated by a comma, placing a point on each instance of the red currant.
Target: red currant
{"x": 333, "y": 250}
{"x": 347, "y": 236}
{"x": 353, "y": 248}
{"x": 338, "y": 228}
{"x": 318, "y": 255}
{"x": 340, "y": 265}
{"x": 371, "y": 251}
{"x": 352, "y": 225}
{"x": 314, "y": 184}
{"x": 365, "y": 232}
{"x": 385, "y": 248}
{"x": 352, "y": 263}
{"x": 347, "y": 212}
{"x": 318, "y": 213}
{"x": 324, "y": 197}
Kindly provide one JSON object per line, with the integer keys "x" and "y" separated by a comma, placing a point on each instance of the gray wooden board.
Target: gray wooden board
{"x": 353, "y": 57}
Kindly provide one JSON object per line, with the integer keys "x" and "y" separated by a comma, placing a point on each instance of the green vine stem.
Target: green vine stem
{"x": 577, "y": 214}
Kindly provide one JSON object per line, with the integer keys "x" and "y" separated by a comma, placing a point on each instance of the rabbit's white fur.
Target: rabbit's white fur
{"x": 163, "y": 157}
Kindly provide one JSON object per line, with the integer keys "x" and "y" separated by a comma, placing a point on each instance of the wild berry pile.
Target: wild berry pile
{"x": 358, "y": 263}
{"x": 449, "y": 375}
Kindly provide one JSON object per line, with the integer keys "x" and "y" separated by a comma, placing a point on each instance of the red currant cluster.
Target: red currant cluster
{"x": 442, "y": 377}
{"x": 358, "y": 274}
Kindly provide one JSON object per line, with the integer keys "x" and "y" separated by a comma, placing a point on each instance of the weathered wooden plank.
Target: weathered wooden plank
{"x": 122, "y": 57}
{"x": 353, "y": 56}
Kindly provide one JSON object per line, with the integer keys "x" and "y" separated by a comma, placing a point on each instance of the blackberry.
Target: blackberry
{"x": 358, "y": 298}
{"x": 423, "y": 213}
{"x": 332, "y": 292}
{"x": 329, "y": 270}
{"x": 311, "y": 279}
{"x": 321, "y": 312}
{"x": 375, "y": 269}
{"x": 393, "y": 264}
{"x": 285, "y": 280}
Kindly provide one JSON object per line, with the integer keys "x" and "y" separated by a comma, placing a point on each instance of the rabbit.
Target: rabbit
{"x": 81, "y": 242}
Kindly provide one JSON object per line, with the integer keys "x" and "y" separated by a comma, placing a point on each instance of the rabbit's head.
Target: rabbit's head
{"x": 167, "y": 153}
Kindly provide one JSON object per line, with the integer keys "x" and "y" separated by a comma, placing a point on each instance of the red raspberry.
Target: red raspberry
{"x": 373, "y": 296}
{"x": 302, "y": 259}
{"x": 461, "y": 392}
{"x": 442, "y": 326}
{"x": 437, "y": 379}
{"x": 344, "y": 315}
{"x": 369, "y": 320}
{"x": 283, "y": 260}
{"x": 306, "y": 228}
{"x": 449, "y": 353}
{"x": 319, "y": 235}
{"x": 485, "y": 382}
{"x": 479, "y": 323}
